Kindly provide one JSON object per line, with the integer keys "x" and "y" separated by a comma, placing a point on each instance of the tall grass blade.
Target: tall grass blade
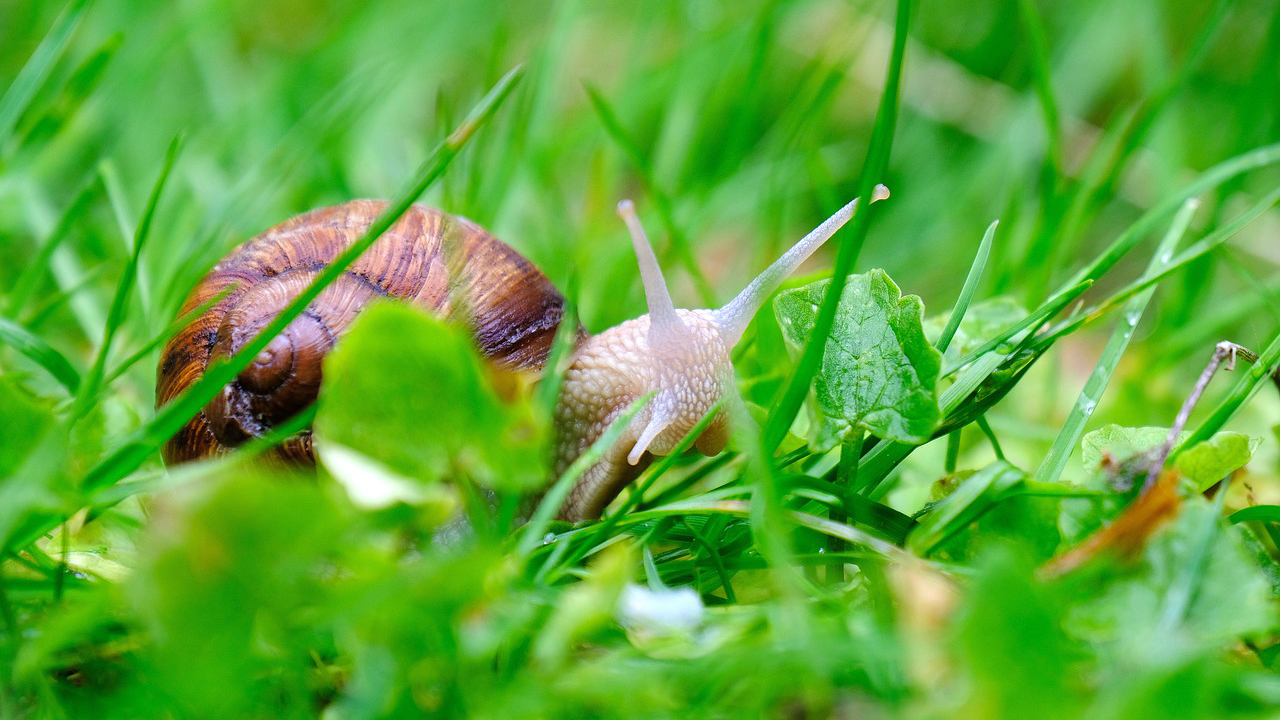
{"x": 1033, "y": 30}
{"x": 968, "y": 289}
{"x": 24, "y": 287}
{"x": 116, "y": 315}
{"x": 1166, "y": 208}
{"x": 1069, "y": 436}
{"x": 873, "y": 171}
{"x": 33, "y": 74}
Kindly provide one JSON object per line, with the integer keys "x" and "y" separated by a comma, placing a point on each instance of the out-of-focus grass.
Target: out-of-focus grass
{"x": 227, "y": 591}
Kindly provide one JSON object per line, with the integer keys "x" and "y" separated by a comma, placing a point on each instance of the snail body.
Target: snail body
{"x": 454, "y": 268}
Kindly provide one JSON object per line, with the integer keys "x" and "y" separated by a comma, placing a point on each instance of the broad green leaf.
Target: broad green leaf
{"x": 1208, "y": 462}
{"x": 227, "y": 582}
{"x": 410, "y": 392}
{"x": 878, "y": 370}
{"x": 1118, "y": 443}
{"x": 1204, "y": 464}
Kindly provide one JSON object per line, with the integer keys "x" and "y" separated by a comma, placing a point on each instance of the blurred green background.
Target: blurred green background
{"x": 737, "y": 127}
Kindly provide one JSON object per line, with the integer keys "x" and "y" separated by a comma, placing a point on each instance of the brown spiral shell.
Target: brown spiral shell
{"x": 438, "y": 261}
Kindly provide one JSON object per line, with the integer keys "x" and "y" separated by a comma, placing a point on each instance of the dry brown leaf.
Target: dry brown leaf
{"x": 1125, "y": 538}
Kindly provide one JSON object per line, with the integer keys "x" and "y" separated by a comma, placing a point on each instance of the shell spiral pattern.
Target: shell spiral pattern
{"x": 441, "y": 262}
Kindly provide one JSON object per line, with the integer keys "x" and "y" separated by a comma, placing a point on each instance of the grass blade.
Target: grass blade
{"x": 1051, "y": 468}
{"x": 532, "y": 533}
{"x": 1033, "y": 30}
{"x": 1206, "y": 181}
{"x": 155, "y": 342}
{"x": 1193, "y": 252}
{"x": 25, "y": 86}
{"x": 40, "y": 352}
{"x": 656, "y": 471}
{"x": 873, "y": 170}
{"x": 24, "y": 287}
{"x": 969, "y": 288}
{"x": 115, "y": 316}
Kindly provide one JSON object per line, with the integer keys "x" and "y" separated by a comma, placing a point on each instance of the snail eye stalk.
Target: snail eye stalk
{"x": 665, "y": 326}
{"x": 734, "y": 317}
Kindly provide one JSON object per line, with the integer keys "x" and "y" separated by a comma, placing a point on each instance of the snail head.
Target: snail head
{"x": 680, "y": 356}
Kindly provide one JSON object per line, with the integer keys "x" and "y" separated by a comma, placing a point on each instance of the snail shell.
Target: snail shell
{"x": 429, "y": 258}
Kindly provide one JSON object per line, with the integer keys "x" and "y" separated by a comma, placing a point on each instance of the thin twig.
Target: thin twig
{"x": 1224, "y": 351}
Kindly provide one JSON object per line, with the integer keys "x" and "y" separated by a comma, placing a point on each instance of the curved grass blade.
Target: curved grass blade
{"x": 1196, "y": 250}
{"x": 1207, "y": 180}
{"x": 968, "y": 289}
{"x": 656, "y": 471}
{"x": 1264, "y": 513}
{"x": 533, "y": 533}
{"x": 41, "y": 353}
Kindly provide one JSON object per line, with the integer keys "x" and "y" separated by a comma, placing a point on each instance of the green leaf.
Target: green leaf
{"x": 1204, "y": 464}
{"x": 230, "y": 583}
{"x": 1138, "y": 616}
{"x": 1118, "y": 443}
{"x": 878, "y": 370}
{"x": 1012, "y": 645}
{"x": 1208, "y": 462}
{"x": 411, "y": 392}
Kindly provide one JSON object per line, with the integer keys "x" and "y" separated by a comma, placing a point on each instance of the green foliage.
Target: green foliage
{"x": 878, "y": 372}
{"x": 941, "y": 543}
{"x": 1209, "y": 462}
{"x": 437, "y": 415}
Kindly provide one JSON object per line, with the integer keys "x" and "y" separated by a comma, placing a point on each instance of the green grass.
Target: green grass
{"x": 795, "y": 575}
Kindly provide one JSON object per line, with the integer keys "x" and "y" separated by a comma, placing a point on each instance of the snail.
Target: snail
{"x": 453, "y": 267}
